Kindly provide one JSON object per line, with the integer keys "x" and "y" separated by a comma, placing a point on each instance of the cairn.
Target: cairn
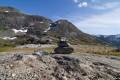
{"x": 63, "y": 47}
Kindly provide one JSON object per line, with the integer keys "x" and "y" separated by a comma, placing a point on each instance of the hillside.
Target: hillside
{"x": 24, "y": 29}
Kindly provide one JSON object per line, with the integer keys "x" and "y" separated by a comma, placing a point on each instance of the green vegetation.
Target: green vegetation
{"x": 109, "y": 53}
{"x": 2, "y": 28}
{"x": 6, "y": 43}
{"x": 49, "y": 50}
{"x": 96, "y": 49}
{"x": 5, "y": 49}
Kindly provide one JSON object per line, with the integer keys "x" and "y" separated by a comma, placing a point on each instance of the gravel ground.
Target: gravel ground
{"x": 35, "y": 46}
{"x": 59, "y": 67}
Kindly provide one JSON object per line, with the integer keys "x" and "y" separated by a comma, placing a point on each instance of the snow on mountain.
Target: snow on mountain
{"x": 8, "y": 38}
{"x": 20, "y": 30}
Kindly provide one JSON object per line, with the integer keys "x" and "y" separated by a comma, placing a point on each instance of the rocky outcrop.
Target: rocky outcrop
{"x": 58, "y": 67}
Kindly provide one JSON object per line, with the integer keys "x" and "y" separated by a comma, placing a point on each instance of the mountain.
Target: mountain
{"x": 22, "y": 28}
{"x": 112, "y": 39}
{"x": 72, "y": 33}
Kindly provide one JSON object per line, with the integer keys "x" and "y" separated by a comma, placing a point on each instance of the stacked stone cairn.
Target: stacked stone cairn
{"x": 63, "y": 47}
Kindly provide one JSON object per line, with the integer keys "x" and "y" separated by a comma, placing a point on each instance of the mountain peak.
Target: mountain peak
{"x": 63, "y": 21}
{"x": 8, "y": 9}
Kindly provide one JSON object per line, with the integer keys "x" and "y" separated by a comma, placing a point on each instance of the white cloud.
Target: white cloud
{"x": 97, "y": 5}
{"x": 83, "y": 4}
{"x": 107, "y": 22}
{"x": 104, "y": 6}
{"x": 101, "y": 23}
{"x": 76, "y": 1}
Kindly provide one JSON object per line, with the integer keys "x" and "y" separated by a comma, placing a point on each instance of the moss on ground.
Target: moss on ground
{"x": 5, "y": 49}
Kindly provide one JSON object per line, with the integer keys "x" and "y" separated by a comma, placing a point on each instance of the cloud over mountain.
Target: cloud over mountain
{"x": 96, "y": 4}
{"x": 105, "y": 23}
{"x": 98, "y": 16}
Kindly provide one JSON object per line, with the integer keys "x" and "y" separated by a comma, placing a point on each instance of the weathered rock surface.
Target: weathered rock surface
{"x": 59, "y": 67}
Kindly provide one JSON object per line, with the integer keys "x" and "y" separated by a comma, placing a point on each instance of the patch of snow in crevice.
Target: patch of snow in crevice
{"x": 20, "y": 30}
{"x": 47, "y": 29}
{"x": 8, "y": 38}
{"x": 41, "y": 22}
{"x": 50, "y": 24}
{"x": 6, "y": 11}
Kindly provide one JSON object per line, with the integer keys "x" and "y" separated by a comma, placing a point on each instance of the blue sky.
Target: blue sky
{"x": 90, "y": 16}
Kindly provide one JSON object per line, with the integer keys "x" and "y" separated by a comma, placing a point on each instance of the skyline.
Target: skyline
{"x": 90, "y": 16}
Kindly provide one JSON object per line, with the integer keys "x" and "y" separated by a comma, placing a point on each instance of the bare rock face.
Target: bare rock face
{"x": 58, "y": 67}
{"x": 64, "y": 50}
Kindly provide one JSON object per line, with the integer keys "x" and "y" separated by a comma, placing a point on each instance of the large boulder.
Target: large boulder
{"x": 63, "y": 50}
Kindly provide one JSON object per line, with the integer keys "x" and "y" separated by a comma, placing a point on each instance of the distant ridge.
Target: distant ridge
{"x": 114, "y": 40}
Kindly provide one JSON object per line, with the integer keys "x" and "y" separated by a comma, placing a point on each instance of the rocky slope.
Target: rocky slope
{"x": 59, "y": 67}
{"x": 24, "y": 29}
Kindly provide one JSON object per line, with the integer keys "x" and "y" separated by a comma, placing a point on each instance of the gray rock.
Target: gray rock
{"x": 58, "y": 67}
{"x": 17, "y": 57}
{"x": 40, "y": 53}
{"x": 63, "y": 50}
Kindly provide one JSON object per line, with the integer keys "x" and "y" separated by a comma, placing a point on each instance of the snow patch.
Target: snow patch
{"x": 47, "y": 29}
{"x": 6, "y": 11}
{"x": 20, "y": 30}
{"x": 8, "y": 38}
{"x": 41, "y": 22}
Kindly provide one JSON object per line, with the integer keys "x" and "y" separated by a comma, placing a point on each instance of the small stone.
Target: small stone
{"x": 17, "y": 57}
{"x": 65, "y": 78}
{"x": 13, "y": 75}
